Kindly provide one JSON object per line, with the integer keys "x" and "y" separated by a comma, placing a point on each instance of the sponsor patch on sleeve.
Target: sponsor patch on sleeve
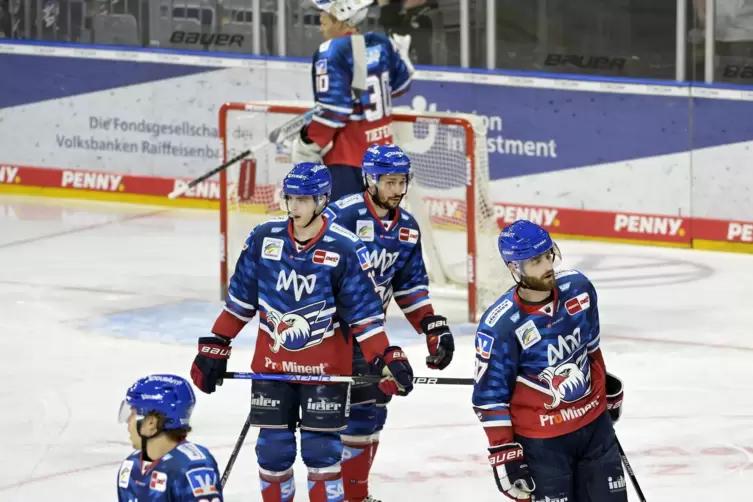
{"x": 203, "y": 481}
{"x": 484, "y": 344}
{"x": 363, "y": 258}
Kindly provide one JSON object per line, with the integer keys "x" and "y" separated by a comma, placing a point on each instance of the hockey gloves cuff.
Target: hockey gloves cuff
{"x": 306, "y": 150}
{"x": 511, "y": 471}
{"x": 439, "y": 341}
{"x": 210, "y": 364}
{"x": 614, "y": 397}
{"x": 396, "y": 370}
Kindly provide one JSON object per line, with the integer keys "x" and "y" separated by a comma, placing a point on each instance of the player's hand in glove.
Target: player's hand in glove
{"x": 439, "y": 341}
{"x": 614, "y": 397}
{"x": 210, "y": 364}
{"x": 511, "y": 471}
{"x": 306, "y": 150}
{"x": 396, "y": 370}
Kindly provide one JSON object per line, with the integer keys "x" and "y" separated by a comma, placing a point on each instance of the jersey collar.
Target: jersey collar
{"x": 549, "y": 308}
{"x": 372, "y": 210}
{"x": 312, "y": 241}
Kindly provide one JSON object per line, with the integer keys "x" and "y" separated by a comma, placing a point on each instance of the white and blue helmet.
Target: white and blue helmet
{"x": 350, "y": 11}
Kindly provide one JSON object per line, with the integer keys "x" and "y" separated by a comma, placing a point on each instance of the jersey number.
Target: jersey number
{"x": 322, "y": 83}
{"x": 380, "y": 94}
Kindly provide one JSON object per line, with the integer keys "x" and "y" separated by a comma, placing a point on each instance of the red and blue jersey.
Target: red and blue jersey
{"x": 395, "y": 254}
{"x": 310, "y": 300}
{"x": 354, "y": 121}
{"x": 187, "y": 473}
{"x": 539, "y": 369}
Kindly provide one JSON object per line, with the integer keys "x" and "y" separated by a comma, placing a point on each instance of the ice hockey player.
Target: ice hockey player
{"x": 542, "y": 392}
{"x": 310, "y": 281}
{"x": 165, "y": 466}
{"x": 355, "y": 77}
{"x": 393, "y": 239}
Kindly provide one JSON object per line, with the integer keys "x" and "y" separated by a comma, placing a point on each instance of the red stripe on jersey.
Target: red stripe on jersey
{"x": 227, "y": 325}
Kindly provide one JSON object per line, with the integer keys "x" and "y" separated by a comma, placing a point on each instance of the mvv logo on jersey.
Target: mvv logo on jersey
{"x": 271, "y": 249}
{"x": 365, "y": 230}
{"x": 578, "y": 304}
{"x": 300, "y": 283}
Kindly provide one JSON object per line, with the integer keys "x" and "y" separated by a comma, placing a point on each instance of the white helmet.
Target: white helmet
{"x": 350, "y": 11}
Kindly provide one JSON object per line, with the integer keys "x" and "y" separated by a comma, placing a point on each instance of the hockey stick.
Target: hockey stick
{"x": 630, "y": 472}
{"x": 242, "y": 375}
{"x": 236, "y": 451}
{"x": 277, "y": 135}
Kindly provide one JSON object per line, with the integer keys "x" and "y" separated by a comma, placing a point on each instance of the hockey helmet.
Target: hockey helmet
{"x": 309, "y": 178}
{"x": 352, "y": 12}
{"x": 169, "y": 395}
{"x": 523, "y": 240}
{"x": 385, "y": 159}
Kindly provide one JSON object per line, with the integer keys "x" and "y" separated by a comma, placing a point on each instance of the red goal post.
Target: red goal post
{"x": 449, "y": 195}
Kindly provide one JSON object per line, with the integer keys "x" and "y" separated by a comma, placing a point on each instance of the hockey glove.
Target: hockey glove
{"x": 396, "y": 370}
{"x": 210, "y": 363}
{"x": 306, "y": 150}
{"x": 439, "y": 341}
{"x": 511, "y": 471}
{"x": 614, "y": 397}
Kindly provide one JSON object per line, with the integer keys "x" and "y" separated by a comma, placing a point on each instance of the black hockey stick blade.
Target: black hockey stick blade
{"x": 630, "y": 472}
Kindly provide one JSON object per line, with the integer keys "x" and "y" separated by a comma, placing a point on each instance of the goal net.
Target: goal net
{"x": 449, "y": 195}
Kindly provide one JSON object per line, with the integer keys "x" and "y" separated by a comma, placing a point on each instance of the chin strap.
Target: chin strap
{"x": 144, "y": 439}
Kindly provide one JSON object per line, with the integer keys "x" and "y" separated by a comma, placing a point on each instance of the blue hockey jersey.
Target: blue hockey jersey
{"x": 539, "y": 369}
{"x": 304, "y": 296}
{"x": 351, "y": 121}
{"x": 188, "y": 473}
{"x": 394, "y": 252}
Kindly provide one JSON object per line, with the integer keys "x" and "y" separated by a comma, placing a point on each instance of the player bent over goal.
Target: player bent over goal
{"x": 310, "y": 281}
{"x": 393, "y": 240}
{"x": 542, "y": 392}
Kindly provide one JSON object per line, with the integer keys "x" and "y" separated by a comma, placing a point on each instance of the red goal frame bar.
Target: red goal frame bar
{"x": 470, "y": 192}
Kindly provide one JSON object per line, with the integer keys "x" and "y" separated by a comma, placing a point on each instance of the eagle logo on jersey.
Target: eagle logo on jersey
{"x": 298, "y": 330}
{"x": 568, "y": 382}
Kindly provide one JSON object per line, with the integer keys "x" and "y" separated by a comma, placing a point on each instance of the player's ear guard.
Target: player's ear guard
{"x": 615, "y": 391}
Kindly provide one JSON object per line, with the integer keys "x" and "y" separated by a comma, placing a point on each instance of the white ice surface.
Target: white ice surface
{"x": 93, "y": 296}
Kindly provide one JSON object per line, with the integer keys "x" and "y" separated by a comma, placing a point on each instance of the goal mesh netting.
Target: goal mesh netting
{"x": 449, "y": 195}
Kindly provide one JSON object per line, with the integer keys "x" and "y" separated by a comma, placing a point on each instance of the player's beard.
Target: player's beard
{"x": 389, "y": 204}
{"x": 542, "y": 283}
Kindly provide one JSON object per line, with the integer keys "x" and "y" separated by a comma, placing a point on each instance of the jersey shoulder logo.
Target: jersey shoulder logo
{"x": 497, "y": 312}
{"x": 344, "y": 232}
{"x": 349, "y": 200}
{"x": 191, "y": 451}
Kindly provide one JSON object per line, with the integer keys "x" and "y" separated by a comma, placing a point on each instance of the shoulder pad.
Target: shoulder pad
{"x": 344, "y": 232}
{"x": 491, "y": 317}
{"x": 349, "y": 200}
